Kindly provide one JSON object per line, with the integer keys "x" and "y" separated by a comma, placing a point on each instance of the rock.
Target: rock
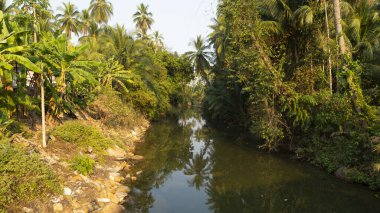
{"x": 116, "y": 152}
{"x": 116, "y": 177}
{"x": 124, "y": 189}
{"x": 118, "y": 167}
{"x": 134, "y": 133}
{"x": 94, "y": 205}
{"x": 67, "y": 191}
{"x": 52, "y": 138}
{"x": 128, "y": 177}
{"x": 139, "y": 173}
{"x": 27, "y": 210}
{"x": 133, "y": 179}
{"x": 58, "y": 207}
{"x": 55, "y": 200}
{"x": 137, "y": 157}
{"x": 341, "y": 173}
{"x": 114, "y": 199}
{"x": 79, "y": 211}
{"x": 103, "y": 200}
{"x": 89, "y": 149}
{"x": 121, "y": 196}
{"x": 112, "y": 208}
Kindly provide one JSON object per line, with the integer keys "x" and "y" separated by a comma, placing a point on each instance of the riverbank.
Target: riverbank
{"x": 90, "y": 158}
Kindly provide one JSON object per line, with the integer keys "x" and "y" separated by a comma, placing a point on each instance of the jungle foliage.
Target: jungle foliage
{"x": 127, "y": 75}
{"x": 281, "y": 73}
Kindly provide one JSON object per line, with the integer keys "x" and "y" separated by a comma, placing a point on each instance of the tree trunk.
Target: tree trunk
{"x": 338, "y": 27}
{"x": 34, "y": 24}
{"x": 43, "y": 110}
{"x": 328, "y": 49}
{"x": 43, "y": 125}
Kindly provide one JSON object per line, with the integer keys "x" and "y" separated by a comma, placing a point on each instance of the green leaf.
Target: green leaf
{"x": 24, "y": 61}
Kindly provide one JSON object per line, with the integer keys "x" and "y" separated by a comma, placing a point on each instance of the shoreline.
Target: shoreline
{"x": 106, "y": 189}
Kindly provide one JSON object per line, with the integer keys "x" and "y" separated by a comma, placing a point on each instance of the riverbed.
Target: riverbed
{"x": 190, "y": 167}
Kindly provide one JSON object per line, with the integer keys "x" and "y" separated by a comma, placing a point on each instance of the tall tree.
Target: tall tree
{"x": 86, "y": 20}
{"x": 338, "y": 27}
{"x": 201, "y": 57}
{"x": 157, "y": 41}
{"x": 363, "y": 29}
{"x": 101, "y": 11}
{"x": 143, "y": 19}
{"x": 69, "y": 19}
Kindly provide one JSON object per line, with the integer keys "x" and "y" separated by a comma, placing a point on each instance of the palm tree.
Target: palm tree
{"x": 338, "y": 27}
{"x": 116, "y": 43}
{"x": 101, "y": 11}
{"x": 4, "y": 7}
{"x": 157, "y": 42}
{"x": 219, "y": 37}
{"x": 69, "y": 19}
{"x": 143, "y": 19}
{"x": 200, "y": 57}
{"x": 86, "y": 20}
{"x": 364, "y": 29}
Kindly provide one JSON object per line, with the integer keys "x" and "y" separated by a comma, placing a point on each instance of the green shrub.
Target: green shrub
{"x": 113, "y": 112}
{"x": 83, "y": 164}
{"x": 24, "y": 177}
{"x": 83, "y": 135}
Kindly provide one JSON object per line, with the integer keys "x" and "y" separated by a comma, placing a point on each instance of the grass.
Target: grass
{"x": 23, "y": 176}
{"x": 83, "y": 135}
{"x": 83, "y": 164}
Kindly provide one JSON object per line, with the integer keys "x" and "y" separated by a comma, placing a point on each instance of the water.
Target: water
{"x": 189, "y": 167}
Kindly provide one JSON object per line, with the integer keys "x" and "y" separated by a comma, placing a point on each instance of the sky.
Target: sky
{"x": 179, "y": 21}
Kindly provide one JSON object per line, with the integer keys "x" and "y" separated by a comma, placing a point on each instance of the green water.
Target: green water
{"x": 189, "y": 167}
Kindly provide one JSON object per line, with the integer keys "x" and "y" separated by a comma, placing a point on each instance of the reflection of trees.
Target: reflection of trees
{"x": 200, "y": 167}
{"x": 167, "y": 148}
{"x": 235, "y": 179}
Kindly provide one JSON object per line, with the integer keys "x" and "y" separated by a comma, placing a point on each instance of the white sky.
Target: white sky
{"x": 178, "y": 21}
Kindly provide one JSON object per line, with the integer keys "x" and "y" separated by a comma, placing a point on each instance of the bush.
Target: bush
{"x": 113, "y": 112}
{"x": 82, "y": 135}
{"x": 24, "y": 177}
{"x": 83, "y": 164}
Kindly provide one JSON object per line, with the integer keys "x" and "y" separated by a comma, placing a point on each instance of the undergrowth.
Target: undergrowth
{"x": 83, "y": 135}
{"x": 83, "y": 164}
{"x": 113, "y": 112}
{"x": 23, "y": 176}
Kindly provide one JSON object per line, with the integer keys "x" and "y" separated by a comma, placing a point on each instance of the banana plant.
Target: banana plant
{"x": 10, "y": 55}
{"x": 113, "y": 73}
{"x": 70, "y": 74}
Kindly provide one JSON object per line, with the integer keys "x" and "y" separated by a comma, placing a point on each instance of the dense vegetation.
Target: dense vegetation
{"x": 109, "y": 73}
{"x": 302, "y": 75}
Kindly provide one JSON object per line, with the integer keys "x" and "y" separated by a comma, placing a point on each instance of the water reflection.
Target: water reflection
{"x": 191, "y": 168}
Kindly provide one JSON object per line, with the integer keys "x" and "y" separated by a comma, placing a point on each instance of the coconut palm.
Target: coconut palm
{"x": 219, "y": 37}
{"x": 86, "y": 20}
{"x": 116, "y": 43}
{"x": 338, "y": 27}
{"x": 200, "y": 57}
{"x": 157, "y": 41}
{"x": 101, "y": 11}
{"x": 363, "y": 30}
{"x": 143, "y": 19}
{"x": 69, "y": 19}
